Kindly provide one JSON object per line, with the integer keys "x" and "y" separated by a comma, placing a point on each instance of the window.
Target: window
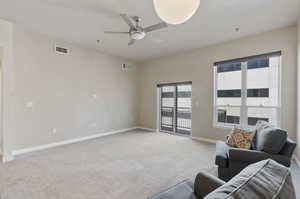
{"x": 247, "y": 90}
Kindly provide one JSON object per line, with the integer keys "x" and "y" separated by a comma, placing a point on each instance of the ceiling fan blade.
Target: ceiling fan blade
{"x": 156, "y": 27}
{"x": 127, "y": 19}
{"x": 112, "y": 32}
{"x": 131, "y": 42}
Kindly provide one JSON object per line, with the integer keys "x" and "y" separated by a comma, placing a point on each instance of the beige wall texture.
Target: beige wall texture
{"x": 197, "y": 66}
{"x": 298, "y": 102}
{"x": 6, "y": 29}
{"x": 1, "y": 55}
{"x": 60, "y": 97}
{"x": 50, "y": 98}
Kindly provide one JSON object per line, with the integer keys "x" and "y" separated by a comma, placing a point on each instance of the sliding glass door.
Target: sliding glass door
{"x": 184, "y": 109}
{"x": 167, "y": 107}
{"x": 175, "y": 108}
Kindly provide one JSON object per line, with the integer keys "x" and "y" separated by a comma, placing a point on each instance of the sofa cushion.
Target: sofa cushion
{"x": 241, "y": 138}
{"x": 222, "y": 154}
{"x": 265, "y": 179}
{"x": 271, "y": 140}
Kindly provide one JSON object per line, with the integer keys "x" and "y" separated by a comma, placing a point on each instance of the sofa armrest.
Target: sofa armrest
{"x": 222, "y": 154}
{"x": 206, "y": 183}
{"x": 253, "y": 156}
{"x": 288, "y": 148}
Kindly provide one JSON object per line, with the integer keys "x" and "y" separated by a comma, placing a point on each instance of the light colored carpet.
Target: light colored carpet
{"x": 133, "y": 165}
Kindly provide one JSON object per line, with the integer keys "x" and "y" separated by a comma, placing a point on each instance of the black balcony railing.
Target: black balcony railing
{"x": 176, "y": 109}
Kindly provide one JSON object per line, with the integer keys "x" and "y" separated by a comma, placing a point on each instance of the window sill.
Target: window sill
{"x": 220, "y": 126}
{"x": 230, "y": 127}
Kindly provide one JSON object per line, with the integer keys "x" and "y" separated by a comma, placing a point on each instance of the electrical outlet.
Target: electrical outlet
{"x": 93, "y": 125}
{"x": 197, "y": 104}
{"x": 94, "y": 96}
{"x": 29, "y": 104}
{"x": 54, "y": 131}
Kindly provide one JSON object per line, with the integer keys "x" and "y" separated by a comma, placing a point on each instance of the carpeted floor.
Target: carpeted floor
{"x": 133, "y": 165}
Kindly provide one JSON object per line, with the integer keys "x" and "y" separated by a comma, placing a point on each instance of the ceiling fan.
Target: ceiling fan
{"x": 136, "y": 31}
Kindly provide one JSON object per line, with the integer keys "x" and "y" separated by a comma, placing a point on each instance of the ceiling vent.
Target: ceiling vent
{"x": 127, "y": 67}
{"x": 62, "y": 50}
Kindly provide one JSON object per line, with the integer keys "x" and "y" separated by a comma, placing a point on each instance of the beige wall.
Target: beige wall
{"x": 6, "y": 29}
{"x": 1, "y": 55}
{"x": 298, "y": 102}
{"x": 62, "y": 89}
{"x": 197, "y": 66}
{"x": 80, "y": 94}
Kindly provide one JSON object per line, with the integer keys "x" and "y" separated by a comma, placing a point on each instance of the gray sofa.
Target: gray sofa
{"x": 269, "y": 142}
{"x": 265, "y": 179}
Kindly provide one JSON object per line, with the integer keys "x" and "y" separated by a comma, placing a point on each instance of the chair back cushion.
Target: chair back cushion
{"x": 265, "y": 179}
{"x": 271, "y": 140}
{"x": 268, "y": 138}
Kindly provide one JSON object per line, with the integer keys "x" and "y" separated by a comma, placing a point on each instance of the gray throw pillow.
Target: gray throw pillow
{"x": 260, "y": 125}
{"x": 265, "y": 179}
{"x": 271, "y": 140}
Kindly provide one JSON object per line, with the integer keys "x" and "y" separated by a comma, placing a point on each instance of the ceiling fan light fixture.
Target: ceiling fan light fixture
{"x": 176, "y": 11}
{"x": 136, "y": 31}
{"x": 137, "y": 35}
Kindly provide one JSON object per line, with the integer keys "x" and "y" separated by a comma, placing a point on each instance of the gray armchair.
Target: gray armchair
{"x": 231, "y": 160}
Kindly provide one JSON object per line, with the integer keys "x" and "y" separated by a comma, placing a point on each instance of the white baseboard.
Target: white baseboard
{"x": 147, "y": 129}
{"x": 71, "y": 141}
{"x": 297, "y": 160}
{"x": 7, "y": 158}
{"x": 210, "y": 141}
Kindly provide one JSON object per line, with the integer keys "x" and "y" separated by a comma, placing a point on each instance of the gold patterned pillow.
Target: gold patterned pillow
{"x": 241, "y": 138}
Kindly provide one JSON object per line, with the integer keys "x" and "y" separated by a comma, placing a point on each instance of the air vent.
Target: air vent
{"x": 62, "y": 50}
{"x": 127, "y": 67}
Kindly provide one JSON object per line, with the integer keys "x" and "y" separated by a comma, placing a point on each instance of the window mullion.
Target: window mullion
{"x": 215, "y": 115}
{"x": 279, "y": 76}
{"x": 244, "y": 110}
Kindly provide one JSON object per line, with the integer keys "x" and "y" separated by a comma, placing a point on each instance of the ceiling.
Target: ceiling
{"x": 83, "y": 22}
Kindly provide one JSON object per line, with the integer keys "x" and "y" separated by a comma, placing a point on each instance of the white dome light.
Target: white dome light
{"x": 137, "y": 35}
{"x": 176, "y": 11}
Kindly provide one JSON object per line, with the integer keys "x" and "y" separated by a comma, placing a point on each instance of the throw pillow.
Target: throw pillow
{"x": 241, "y": 138}
{"x": 260, "y": 125}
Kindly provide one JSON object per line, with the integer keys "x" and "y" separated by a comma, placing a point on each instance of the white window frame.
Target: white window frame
{"x": 243, "y": 107}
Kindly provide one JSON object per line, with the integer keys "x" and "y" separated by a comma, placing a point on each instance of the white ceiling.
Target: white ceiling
{"x": 83, "y": 22}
